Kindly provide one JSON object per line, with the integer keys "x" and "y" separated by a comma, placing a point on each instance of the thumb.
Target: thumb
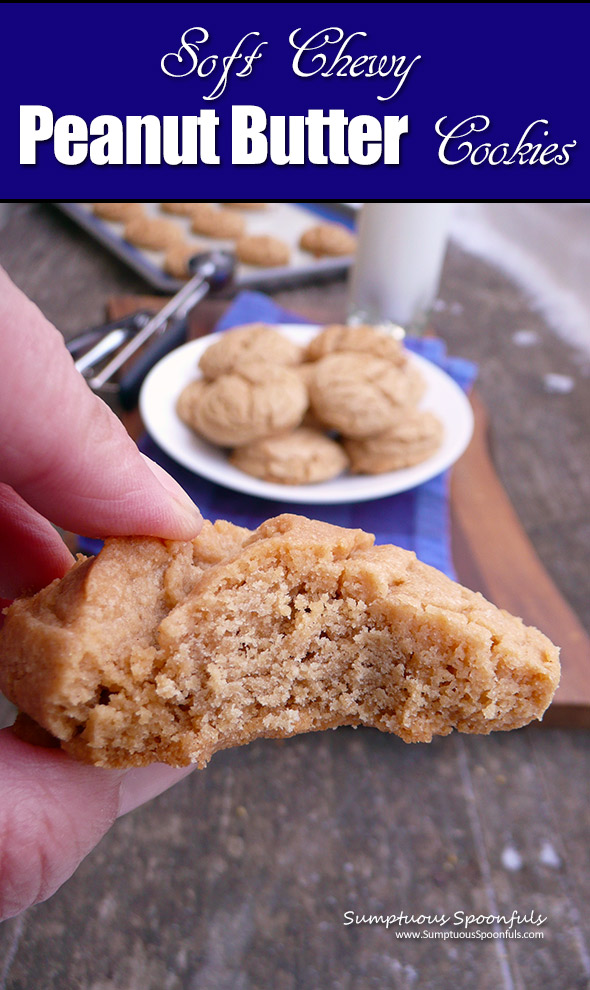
{"x": 53, "y": 811}
{"x": 66, "y": 453}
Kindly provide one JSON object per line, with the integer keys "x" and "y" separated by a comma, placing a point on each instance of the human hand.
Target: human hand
{"x": 66, "y": 459}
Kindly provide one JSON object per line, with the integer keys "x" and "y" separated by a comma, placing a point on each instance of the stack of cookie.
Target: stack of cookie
{"x": 297, "y": 416}
{"x": 167, "y": 233}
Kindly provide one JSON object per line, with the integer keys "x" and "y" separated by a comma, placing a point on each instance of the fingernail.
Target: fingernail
{"x": 183, "y": 501}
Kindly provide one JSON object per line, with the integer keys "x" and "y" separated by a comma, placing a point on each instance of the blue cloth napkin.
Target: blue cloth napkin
{"x": 416, "y": 520}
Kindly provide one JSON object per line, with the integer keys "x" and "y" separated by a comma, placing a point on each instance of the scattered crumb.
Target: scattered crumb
{"x": 511, "y": 859}
{"x": 525, "y": 338}
{"x": 558, "y": 384}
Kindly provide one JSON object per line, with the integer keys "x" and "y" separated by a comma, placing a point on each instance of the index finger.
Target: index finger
{"x": 65, "y": 452}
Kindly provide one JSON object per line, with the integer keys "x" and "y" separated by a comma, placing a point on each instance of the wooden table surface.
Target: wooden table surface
{"x": 240, "y": 877}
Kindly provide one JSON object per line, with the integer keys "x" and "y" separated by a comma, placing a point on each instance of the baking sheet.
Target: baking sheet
{"x": 286, "y": 221}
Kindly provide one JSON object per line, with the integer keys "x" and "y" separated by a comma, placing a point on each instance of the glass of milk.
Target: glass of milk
{"x": 401, "y": 247}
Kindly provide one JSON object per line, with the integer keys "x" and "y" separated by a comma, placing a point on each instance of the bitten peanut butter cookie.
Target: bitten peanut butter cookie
{"x": 213, "y": 222}
{"x": 416, "y": 437}
{"x": 360, "y": 395}
{"x": 169, "y": 652}
{"x": 329, "y": 240}
{"x": 118, "y": 212}
{"x": 252, "y": 342}
{"x": 258, "y": 401}
{"x": 302, "y": 457}
{"x": 366, "y": 339}
{"x": 155, "y": 233}
{"x": 263, "y": 251}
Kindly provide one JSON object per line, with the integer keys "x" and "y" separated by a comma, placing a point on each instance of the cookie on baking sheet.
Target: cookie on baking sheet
{"x": 245, "y": 206}
{"x": 252, "y": 342}
{"x": 178, "y": 209}
{"x": 257, "y": 401}
{"x": 214, "y": 222}
{"x": 328, "y": 240}
{"x": 177, "y": 259}
{"x": 416, "y": 437}
{"x": 302, "y": 457}
{"x": 155, "y": 233}
{"x": 363, "y": 338}
{"x": 165, "y": 651}
{"x": 118, "y": 212}
{"x": 263, "y": 251}
{"x": 360, "y": 395}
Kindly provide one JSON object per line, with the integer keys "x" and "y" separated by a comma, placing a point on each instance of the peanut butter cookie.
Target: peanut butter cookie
{"x": 178, "y": 209}
{"x": 302, "y": 457}
{"x": 328, "y": 240}
{"x": 155, "y": 233}
{"x": 246, "y": 206}
{"x": 364, "y": 339}
{"x": 177, "y": 259}
{"x": 188, "y": 401}
{"x": 415, "y": 438}
{"x": 360, "y": 395}
{"x": 263, "y": 251}
{"x": 252, "y": 342}
{"x": 118, "y": 212}
{"x": 215, "y": 222}
{"x": 157, "y": 651}
{"x": 258, "y": 401}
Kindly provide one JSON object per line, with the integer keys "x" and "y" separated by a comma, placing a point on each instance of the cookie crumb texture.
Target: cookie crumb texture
{"x": 169, "y": 652}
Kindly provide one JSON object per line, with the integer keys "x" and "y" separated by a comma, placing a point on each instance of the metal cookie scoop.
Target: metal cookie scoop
{"x": 210, "y": 271}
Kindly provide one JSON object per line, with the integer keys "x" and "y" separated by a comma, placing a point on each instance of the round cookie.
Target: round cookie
{"x": 328, "y": 240}
{"x": 155, "y": 233}
{"x": 365, "y": 339}
{"x": 261, "y": 400}
{"x": 360, "y": 395}
{"x": 119, "y": 212}
{"x": 413, "y": 440}
{"x": 188, "y": 400}
{"x": 252, "y": 342}
{"x": 306, "y": 372}
{"x": 415, "y": 384}
{"x": 246, "y": 206}
{"x": 213, "y": 222}
{"x": 178, "y": 209}
{"x": 263, "y": 251}
{"x": 306, "y": 369}
{"x": 177, "y": 258}
{"x": 302, "y": 457}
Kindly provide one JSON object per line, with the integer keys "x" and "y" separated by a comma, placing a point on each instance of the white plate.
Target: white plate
{"x": 166, "y": 380}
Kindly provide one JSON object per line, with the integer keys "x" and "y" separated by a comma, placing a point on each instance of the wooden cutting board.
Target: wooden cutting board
{"x": 493, "y": 554}
{"x": 491, "y": 551}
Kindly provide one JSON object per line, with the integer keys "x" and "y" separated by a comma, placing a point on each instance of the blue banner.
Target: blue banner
{"x": 299, "y": 101}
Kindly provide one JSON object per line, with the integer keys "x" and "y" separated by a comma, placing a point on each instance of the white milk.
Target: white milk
{"x": 401, "y": 247}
